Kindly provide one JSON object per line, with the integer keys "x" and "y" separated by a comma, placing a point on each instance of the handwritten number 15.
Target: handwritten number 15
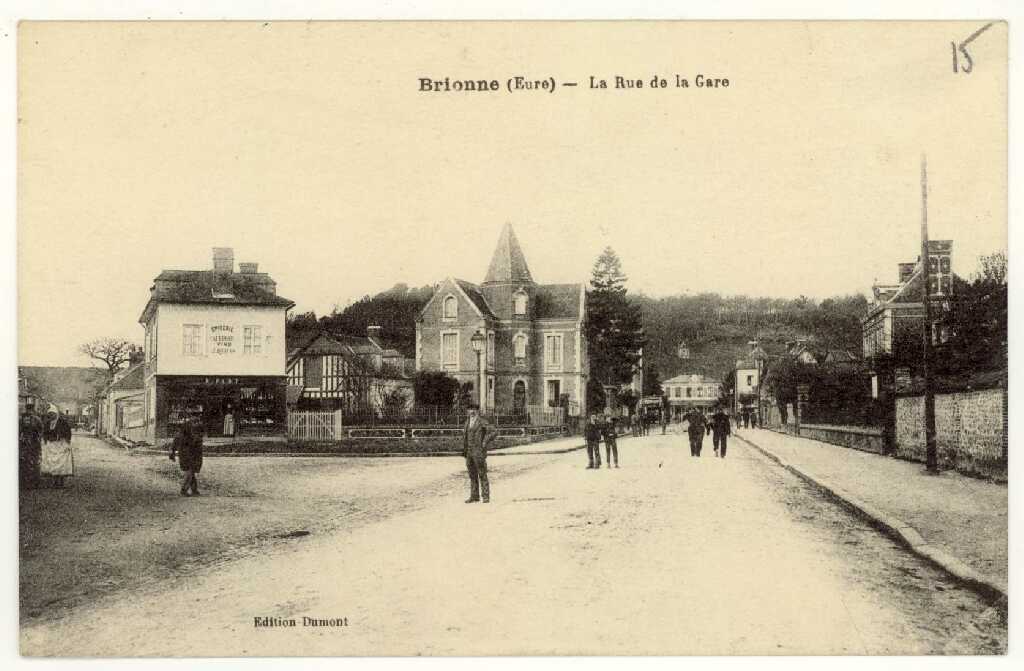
{"x": 967, "y": 65}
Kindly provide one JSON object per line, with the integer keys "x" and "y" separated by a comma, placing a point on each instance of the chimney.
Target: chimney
{"x": 248, "y": 268}
{"x": 223, "y": 260}
{"x": 373, "y": 331}
{"x": 906, "y": 270}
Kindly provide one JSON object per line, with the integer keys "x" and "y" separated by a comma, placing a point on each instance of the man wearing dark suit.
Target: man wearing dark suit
{"x": 592, "y": 433}
{"x": 695, "y": 431}
{"x": 719, "y": 428}
{"x": 476, "y": 438}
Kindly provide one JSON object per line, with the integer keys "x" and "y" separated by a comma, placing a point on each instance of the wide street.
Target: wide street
{"x": 666, "y": 555}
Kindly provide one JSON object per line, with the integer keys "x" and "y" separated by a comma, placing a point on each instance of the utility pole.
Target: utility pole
{"x": 931, "y": 454}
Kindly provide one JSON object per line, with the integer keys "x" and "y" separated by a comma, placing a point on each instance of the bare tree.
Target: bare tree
{"x": 992, "y": 267}
{"x": 112, "y": 352}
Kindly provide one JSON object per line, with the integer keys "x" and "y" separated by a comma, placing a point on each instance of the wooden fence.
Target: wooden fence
{"x": 312, "y": 425}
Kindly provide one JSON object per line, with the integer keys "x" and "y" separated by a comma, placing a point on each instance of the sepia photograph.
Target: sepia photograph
{"x": 512, "y": 338}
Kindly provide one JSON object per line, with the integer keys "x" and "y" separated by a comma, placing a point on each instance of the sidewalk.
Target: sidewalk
{"x": 954, "y": 521}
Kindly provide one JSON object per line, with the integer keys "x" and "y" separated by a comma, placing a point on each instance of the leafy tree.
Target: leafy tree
{"x": 978, "y": 322}
{"x": 394, "y": 310}
{"x": 614, "y": 324}
{"x": 595, "y": 395}
{"x": 112, "y": 352}
{"x": 628, "y": 399}
{"x": 652, "y": 382}
{"x": 434, "y": 389}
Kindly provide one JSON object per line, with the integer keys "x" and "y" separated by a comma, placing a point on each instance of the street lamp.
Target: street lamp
{"x": 479, "y": 342}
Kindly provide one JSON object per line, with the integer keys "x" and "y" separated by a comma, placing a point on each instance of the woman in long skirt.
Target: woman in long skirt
{"x": 57, "y": 458}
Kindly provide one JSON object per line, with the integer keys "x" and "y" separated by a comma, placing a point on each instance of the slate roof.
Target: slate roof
{"x": 473, "y": 292}
{"x": 840, "y": 356}
{"x": 558, "y": 301}
{"x": 508, "y": 263}
{"x": 132, "y": 379}
{"x": 690, "y": 378}
{"x": 209, "y": 287}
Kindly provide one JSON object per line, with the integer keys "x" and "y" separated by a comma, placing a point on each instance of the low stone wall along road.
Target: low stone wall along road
{"x": 666, "y": 555}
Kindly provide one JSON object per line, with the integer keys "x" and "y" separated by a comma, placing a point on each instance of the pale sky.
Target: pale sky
{"x": 308, "y": 148}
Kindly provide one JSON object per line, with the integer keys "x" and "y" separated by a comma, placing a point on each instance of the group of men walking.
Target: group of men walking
{"x": 478, "y": 435}
{"x": 599, "y": 428}
{"x": 719, "y": 425}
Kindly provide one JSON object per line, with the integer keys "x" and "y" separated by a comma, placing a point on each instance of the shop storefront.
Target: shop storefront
{"x": 226, "y": 406}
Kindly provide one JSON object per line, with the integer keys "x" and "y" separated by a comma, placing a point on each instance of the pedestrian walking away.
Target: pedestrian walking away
{"x": 695, "y": 431}
{"x": 720, "y": 427}
{"x": 610, "y": 445}
{"x": 188, "y": 446}
{"x": 476, "y": 438}
{"x": 57, "y": 458}
{"x": 592, "y": 434}
{"x": 30, "y": 445}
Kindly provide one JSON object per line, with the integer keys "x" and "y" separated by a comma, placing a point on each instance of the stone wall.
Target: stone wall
{"x": 859, "y": 438}
{"x": 970, "y": 431}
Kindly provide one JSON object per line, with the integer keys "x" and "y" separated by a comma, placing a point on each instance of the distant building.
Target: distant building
{"x": 536, "y": 349}
{"x": 122, "y": 404}
{"x": 691, "y": 390}
{"x": 215, "y": 346}
{"x": 72, "y": 389}
{"x": 337, "y": 371}
{"x": 897, "y": 312}
{"x": 748, "y": 372}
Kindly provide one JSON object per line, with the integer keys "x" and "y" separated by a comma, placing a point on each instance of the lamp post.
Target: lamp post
{"x": 759, "y": 363}
{"x": 479, "y": 342}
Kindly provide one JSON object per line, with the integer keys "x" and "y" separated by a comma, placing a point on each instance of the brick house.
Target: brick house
{"x": 536, "y": 348}
{"x": 896, "y": 315}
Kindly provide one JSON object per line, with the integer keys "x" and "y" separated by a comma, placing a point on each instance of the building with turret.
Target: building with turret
{"x": 535, "y": 351}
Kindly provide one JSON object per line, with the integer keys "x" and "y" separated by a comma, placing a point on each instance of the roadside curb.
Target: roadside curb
{"x": 988, "y": 588}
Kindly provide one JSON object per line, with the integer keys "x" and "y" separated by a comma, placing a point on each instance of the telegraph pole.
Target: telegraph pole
{"x": 931, "y": 454}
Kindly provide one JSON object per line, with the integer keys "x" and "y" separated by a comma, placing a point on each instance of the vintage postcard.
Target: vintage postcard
{"x": 512, "y": 338}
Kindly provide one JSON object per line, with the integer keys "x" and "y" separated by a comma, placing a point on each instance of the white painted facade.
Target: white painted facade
{"x": 233, "y": 340}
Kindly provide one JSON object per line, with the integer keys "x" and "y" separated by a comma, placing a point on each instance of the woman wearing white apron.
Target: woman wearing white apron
{"x": 57, "y": 459}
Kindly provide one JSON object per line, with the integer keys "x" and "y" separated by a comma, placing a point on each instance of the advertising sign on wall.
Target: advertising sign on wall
{"x": 222, "y": 339}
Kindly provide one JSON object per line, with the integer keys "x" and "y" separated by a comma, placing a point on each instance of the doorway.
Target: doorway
{"x": 519, "y": 397}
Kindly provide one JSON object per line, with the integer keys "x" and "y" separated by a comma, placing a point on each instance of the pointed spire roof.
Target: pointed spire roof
{"x": 508, "y": 263}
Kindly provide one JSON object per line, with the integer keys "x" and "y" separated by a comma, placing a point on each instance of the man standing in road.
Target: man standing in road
{"x": 476, "y": 438}
{"x": 695, "y": 431}
{"x": 720, "y": 427}
{"x": 610, "y": 446}
{"x": 592, "y": 433}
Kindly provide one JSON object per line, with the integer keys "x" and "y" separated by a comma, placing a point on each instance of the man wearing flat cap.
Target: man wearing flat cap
{"x": 476, "y": 438}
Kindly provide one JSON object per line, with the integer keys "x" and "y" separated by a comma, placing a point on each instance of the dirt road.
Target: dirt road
{"x": 667, "y": 555}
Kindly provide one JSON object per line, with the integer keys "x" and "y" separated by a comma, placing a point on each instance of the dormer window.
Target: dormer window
{"x": 519, "y": 303}
{"x": 451, "y": 308}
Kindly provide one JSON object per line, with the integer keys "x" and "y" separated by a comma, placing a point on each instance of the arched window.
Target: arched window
{"x": 451, "y": 307}
{"x": 520, "y": 304}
